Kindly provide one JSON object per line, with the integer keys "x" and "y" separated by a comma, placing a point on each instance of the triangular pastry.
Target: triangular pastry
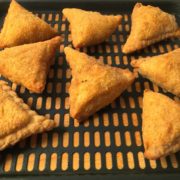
{"x": 161, "y": 125}
{"x": 94, "y": 85}
{"x": 29, "y": 64}
{"x": 23, "y": 27}
{"x": 17, "y": 120}
{"x": 164, "y": 70}
{"x": 149, "y": 25}
{"x": 88, "y": 27}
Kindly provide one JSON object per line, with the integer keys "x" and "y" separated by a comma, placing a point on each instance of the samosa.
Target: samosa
{"x": 17, "y": 120}
{"x": 161, "y": 125}
{"x": 90, "y": 28}
{"x": 149, "y": 25}
{"x": 164, "y": 70}
{"x": 29, "y": 64}
{"x": 23, "y": 27}
{"x": 94, "y": 85}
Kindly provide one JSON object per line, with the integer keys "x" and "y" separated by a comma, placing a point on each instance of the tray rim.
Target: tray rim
{"x": 97, "y": 177}
{"x": 53, "y": 4}
{"x": 39, "y": 4}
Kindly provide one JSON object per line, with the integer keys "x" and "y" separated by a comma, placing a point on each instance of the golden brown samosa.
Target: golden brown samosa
{"x": 88, "y": 27}
{"x": 149, "y": 25}
{"x": 29, "y": 64}
{"x": 94, "y": 85}
{"x": 161, "y": 125}
{"x": 17, "y": 120}
{"x": 164, "y": 70}
{"x": 23, "y": 27}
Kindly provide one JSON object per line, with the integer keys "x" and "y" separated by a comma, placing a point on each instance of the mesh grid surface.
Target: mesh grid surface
{"x": 110, "y": 142}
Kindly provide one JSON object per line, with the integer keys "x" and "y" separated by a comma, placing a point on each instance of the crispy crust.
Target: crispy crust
{"x": 88, "y": 27}
{"x": 94, "y": 85}
{"x": 164, "y": 70}
{"x": 149, "y": 25}
{"x": 23, "y": 27}
{"x": 161, "y": 125}
{"x": 29, "y": 64}
{"x": 36, "y": 124}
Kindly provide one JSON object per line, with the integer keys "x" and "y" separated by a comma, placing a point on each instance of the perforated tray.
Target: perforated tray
{"x": 110, "y": 143}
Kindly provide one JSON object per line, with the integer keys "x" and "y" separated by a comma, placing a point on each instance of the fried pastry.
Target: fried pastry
{"x": 23, "y": 27}
{"x": 94, "y": 85}
{"x": 164, "y": 70}
{"x": 161, "y": 125}
{"x": 29, "y": 64}
{"x": 88, "y": 27}
{"x": 149, "y": 25}
{"x": 17, "y": 120}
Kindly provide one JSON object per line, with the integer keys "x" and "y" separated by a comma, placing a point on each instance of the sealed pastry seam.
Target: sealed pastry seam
{"x": 147, "y": 42}
{"x": 34, "y": 124}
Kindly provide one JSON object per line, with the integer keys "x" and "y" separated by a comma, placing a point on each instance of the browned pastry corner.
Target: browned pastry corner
{"x": 94, "y": 85}
{"x": 164, "y": 70}
{"x": 17, "y": 120}
{"x": 89, "y": 28}
{"x": 149, "y": 25}
{"x": 29, "y": 64}
{"x": 161, "y": 125}
{"x": 23, "y": 27}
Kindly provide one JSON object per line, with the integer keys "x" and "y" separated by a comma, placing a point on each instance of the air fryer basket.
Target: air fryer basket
{"x": 110, "y": 143}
